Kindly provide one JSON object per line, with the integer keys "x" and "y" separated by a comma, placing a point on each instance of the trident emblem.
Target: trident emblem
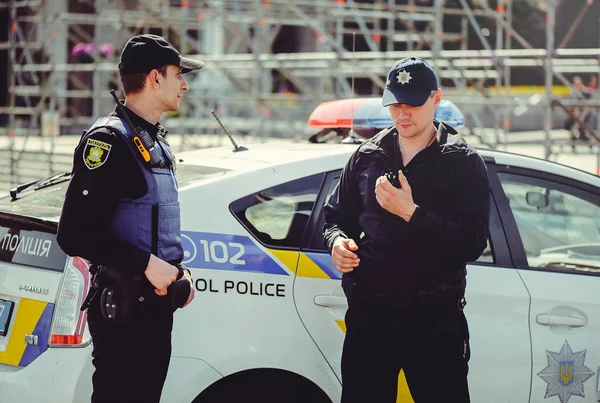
{"x": 566, "y": 372}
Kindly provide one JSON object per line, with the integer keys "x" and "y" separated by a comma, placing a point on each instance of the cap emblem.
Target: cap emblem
{"x": 404, "y": 77}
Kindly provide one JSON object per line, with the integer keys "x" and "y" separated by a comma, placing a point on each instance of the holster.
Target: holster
{"x": 119, "y": 293}
{"x": 120, "y": 300}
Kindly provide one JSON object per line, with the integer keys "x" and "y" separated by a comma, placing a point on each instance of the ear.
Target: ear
{"x": 153, "y": 79}
{"x": 438, "y": 97}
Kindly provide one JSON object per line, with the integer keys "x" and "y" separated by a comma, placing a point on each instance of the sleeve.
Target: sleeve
{"x": 97, "y": 184}
{"x": 461, "y": 235}
{"x": 343, "y": 207}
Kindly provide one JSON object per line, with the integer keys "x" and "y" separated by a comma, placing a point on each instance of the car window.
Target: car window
{"x": 559, "y": 225}
{"x": 487, "y": 256}
{"x": 54, "y": 195}
{"x": 278, "y": 216}
{"x": 318, "y": 242}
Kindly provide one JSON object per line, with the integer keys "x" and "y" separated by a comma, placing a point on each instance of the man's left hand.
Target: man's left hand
{"x": 187, "y": 276}
{"x": 397, "y": 201}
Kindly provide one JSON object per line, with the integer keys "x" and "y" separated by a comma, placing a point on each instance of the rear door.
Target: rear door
{"x": 497, "y": 311}
{"x": 555, "y": 222}
{"x": 318, "y": 293}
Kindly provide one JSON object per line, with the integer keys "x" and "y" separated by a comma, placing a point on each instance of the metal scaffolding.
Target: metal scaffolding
{"x": 53, "y": 92}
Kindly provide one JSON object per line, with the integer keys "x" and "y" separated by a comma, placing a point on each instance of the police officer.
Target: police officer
{"x": 410, "y": 210}
{"x": 122, "y": 214}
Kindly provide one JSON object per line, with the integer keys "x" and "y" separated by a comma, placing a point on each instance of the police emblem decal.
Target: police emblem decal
{"x": 565, "y": 374}
{"x": 95, "y": 153}
{"x": 404, "y": 77}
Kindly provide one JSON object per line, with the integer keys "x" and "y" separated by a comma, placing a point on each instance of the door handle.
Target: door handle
{"x": 555, "y": 320}
{"x": 330, "y": 301}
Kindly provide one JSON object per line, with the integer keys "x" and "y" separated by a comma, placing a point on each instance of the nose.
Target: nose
{"x": 403, "y": 112}
{"x": 184, "y": 87}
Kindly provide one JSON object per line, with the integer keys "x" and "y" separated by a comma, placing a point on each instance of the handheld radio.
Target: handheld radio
{"x": 141, "y": 138}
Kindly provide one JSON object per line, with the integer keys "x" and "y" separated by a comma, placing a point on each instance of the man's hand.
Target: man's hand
{"x": 344, "y": 259}
{"x": 396, "y": 201}
{"x": 160, "y": 274}
{"x": 186, "y": 274}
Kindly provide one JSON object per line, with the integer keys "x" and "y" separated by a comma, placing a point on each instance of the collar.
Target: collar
{"x": 434, "y": 141}
{"x": 446, "y": 138}
{"x": 138, "y": 121}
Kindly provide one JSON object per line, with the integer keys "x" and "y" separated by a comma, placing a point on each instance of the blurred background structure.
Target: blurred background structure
{"x": 512, "y": 66}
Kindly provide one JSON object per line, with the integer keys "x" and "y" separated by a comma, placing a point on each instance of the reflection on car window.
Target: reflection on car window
{"x": 559, "y": 226}
{"x": 278, "y": 216}
{"x": 272, "y": 216}
{"x": 488, "y": 255}
{"x": 54, "y": 195}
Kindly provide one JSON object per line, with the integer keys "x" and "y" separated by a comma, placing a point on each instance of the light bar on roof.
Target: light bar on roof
{"x": 368, "y": 113}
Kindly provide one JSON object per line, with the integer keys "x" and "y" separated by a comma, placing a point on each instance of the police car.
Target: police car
{"x": 267, "y": 323}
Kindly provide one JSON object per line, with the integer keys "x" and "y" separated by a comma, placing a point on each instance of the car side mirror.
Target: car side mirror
{"x": 537, "y": 199}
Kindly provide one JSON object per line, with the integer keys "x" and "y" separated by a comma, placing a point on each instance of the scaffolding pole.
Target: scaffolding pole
{"x": 550, "y": 21}
{"x": 237, "y": 78}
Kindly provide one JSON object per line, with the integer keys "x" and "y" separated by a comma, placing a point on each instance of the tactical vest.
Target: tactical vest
{"x": 151, "y": 222}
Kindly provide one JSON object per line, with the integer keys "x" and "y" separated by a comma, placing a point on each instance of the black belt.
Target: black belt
{"x": 381, "y": 302}
{"x": 439, "y": 296}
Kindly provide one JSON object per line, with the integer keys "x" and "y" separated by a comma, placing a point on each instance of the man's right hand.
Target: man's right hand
{"x": 343, "y": 256}
{"x": 160, "y": 274}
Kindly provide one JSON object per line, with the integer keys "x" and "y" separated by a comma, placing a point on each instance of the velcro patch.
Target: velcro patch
{"x": 95, "y": 153}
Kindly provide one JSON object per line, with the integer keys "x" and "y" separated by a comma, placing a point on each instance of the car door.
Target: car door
{"x": 497, "y": 311}
{"x": 556, "y": 244}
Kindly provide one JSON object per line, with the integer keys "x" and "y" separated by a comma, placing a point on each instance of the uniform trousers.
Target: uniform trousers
{"x": 430, "y": 342}
{"x": 131, "y": 360}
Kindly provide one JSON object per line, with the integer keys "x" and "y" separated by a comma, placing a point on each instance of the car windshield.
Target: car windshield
{"x": 48, "y": 200}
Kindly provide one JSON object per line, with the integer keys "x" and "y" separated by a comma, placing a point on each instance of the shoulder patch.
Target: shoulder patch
{"x": 95, "y": 153}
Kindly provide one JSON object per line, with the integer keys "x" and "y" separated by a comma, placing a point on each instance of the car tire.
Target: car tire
{"x": 263, "y": 386}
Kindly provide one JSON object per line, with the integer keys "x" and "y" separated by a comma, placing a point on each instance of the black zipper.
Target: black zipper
{"x": 155, "y": 229}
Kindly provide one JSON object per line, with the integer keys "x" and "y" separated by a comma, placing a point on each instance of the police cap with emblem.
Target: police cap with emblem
{"x": 409, "y": 82}
{"x": 145, "y": 52}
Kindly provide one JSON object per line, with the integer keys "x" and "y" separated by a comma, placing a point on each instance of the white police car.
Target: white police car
{"x": 267, "y": 323}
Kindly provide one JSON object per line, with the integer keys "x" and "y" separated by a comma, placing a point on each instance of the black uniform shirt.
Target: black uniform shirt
{"x": 428, "y": 254}
{"x": 101, "y": 177}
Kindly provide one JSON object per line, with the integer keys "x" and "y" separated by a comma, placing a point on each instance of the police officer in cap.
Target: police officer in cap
{"x": 122, "y": 214}
{"x": 410, "y": 210}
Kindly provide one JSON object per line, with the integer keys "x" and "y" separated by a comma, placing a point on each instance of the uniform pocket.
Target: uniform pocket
{"x": 168, "y": 216}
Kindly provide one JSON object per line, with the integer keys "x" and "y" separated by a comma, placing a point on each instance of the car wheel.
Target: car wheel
{"x": 263, "y": 386}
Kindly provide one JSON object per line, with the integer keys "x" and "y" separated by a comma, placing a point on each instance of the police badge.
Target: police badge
{"x": 565, "y": 374}
{"x": 404, "y": 77}
{"x": 95, "y": 153}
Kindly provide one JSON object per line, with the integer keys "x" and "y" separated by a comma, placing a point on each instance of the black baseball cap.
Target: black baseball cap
{"x": 145, "y": 52}
{"x": 409, "y": 82}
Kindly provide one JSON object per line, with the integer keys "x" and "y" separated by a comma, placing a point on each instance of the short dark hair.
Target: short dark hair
{"x": 134, "y": 83}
